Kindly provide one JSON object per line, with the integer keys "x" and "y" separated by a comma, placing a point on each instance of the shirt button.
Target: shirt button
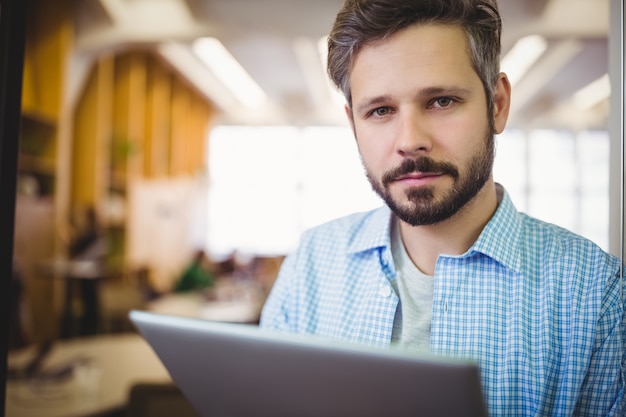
{"x": 384, "y": 291}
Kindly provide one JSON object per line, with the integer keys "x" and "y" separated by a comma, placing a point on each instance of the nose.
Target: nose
{"x": 413, "y": 135}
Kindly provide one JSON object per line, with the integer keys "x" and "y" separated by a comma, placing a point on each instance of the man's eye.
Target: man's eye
{"x": 443, "y": 102}
{"x": 381, "y": 111}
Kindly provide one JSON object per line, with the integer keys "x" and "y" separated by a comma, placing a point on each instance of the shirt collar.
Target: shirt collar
{"x": 501, "y": 236}
{"x": 373, "y": 231}
{"x": 498, "y": 240}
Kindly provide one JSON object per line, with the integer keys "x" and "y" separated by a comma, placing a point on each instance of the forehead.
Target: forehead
{"x": 420, "y": 55}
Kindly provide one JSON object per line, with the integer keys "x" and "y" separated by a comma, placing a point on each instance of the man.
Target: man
{"x": 449, "y": 264}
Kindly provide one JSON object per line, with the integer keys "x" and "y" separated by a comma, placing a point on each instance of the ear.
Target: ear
{"x": 502, "y": 102}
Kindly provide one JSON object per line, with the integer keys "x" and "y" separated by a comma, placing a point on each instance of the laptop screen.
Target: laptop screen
{"x": 238, "y": 370}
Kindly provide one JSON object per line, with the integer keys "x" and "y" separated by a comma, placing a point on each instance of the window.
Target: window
{"x": 269, "y": 184}
{"x": 559, "y": 177}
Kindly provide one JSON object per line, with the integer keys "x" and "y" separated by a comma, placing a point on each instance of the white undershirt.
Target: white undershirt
{"x": 411, "y": 326}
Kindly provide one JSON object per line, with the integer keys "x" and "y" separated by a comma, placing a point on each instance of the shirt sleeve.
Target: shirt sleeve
{"x": 603, "y": 390}
{"x": 278, "y": 312}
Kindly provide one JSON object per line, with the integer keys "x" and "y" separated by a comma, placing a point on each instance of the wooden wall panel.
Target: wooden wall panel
{"x": 158, "y": 103}
{"x": 29, "y": 89}
{"x": 180, "y": 130}
{"x": 92, "y": 137}
{"x": 152, "y": 124}
{"x": 202, "y": 114}
{"x": 129, "y": 112}
{"x": 49, "y": 36}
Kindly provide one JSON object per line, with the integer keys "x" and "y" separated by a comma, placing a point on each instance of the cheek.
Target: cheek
{"x": 459, "y": 135}
{"x": 374, "y": 146}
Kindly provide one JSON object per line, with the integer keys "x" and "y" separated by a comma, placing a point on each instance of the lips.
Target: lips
{"x": 417, "y": 179}
{"x": 418, "y": 176}
{"x": 419, "y": 170}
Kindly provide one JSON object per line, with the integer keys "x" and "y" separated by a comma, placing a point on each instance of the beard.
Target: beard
{"x": 422, "y": 207}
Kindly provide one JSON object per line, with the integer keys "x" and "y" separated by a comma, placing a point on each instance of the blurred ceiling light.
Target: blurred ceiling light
{"x": 522, "y": 56}
{"x": 593, "y": 93}
{"x": 309, "y": 60}
{"x": 226, "y": 68}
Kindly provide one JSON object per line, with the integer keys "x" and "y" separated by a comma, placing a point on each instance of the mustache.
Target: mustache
{"x": 421, "y": 164}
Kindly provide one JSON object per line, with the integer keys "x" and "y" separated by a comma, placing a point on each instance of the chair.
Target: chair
{"x": 158, "y": 400}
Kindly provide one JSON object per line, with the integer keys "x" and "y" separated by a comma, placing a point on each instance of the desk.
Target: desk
{"x": 196, "y": 306}
{"x": 236, "y": 302}
{"x": 121, "y": 361}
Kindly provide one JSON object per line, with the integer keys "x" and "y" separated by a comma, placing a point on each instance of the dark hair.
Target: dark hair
{"x": 360, "y": 22}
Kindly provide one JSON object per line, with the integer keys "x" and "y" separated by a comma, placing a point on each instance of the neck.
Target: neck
{"x": 453, "y": 236}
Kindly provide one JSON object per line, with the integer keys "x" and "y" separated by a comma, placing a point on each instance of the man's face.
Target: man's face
{"x": 419, "y": 114}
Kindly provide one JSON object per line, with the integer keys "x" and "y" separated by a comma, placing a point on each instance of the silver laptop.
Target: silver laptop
{"x": 238, "y": 370}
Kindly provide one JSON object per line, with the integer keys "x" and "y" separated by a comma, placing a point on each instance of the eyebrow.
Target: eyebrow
{"x": 446, "y": 91}
{"x": 369, "y": 103}
{"x": 425, "y": 92}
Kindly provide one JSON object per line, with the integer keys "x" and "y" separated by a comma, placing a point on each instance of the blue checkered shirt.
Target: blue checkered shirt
{"x": 536, "y": 306}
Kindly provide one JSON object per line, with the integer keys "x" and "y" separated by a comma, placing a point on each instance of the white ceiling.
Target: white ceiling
{"x": 275, "y": 40}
